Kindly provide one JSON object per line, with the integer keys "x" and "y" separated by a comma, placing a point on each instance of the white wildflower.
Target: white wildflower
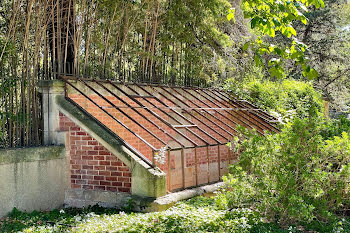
{"x": 160, "y": 156}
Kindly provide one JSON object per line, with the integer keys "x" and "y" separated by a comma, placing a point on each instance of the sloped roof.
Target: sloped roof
{"x": 171, "y": 116}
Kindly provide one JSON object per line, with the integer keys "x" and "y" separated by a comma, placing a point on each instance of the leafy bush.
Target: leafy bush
{"x": 291, "y": 177}
{"x": 335, "y": 127}
{"x": 284, "y": 99}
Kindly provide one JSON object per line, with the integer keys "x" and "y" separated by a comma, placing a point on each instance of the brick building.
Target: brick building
{"x": 144, "y": 140}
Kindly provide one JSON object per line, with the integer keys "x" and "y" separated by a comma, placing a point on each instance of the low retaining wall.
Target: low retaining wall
{"x": 32, "y": 178}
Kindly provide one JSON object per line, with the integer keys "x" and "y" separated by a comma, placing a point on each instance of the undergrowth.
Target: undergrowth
{"x": 198, "y": 214}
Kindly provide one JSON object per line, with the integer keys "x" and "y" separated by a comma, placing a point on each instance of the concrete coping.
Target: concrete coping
{"x": 31, "y": 154}
{"x": 51, "y": 86}
{"x": 188, "y": 193}
{"x": 167, "y": 201}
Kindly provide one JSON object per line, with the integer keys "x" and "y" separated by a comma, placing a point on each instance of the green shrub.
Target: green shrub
{"x": 291, "y": 177}
{"x": 284, "y": 99}
{"x": 335, "y": 127}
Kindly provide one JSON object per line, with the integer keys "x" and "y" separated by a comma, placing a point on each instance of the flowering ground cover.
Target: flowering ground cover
{"x": 196, "y": 215}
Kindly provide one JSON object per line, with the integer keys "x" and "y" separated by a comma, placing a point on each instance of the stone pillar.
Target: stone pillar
{"x": 49, "y": 90}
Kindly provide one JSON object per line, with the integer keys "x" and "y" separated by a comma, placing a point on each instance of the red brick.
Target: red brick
{"x": 92, "y": 152}
{"x": 127, "y": 185}
{"x": 87, "y": 157}
{"x": 75, "y": 138}
{"x": 75, "y": 128}
{"x": 126, "y": 174}
{"x": 104, "y": 153}
{"x": 91, "y": 172}
{"x": 117, "y": 184}
{"x": 99, "y": 148}
{"x": 88, "y": 167}
{"x": 86, "y": 138}
{"x": 99, "y": 157}
{"x": 81, "y": 133}
{"x": 116, "y": 173}
{"x": 94, "y": 182}
{"x": 80, "y": 172}
{"x": 104, "y": 173}
{"x": 117, "y": 164}
{"x": 87, "y": 177}
{"x": 105, "y": 183}
{"x": 123, "y": 169}
{"x": 75, "y": 176}
{"x": 99, "y": 177}
{"x": 81, "y": 162}
{"x": 100, "y": 168}
{"x": 124, "y": 179}
{"x": 75, "y": 156}
{"x": 109, "y": 168}
{"x": 92, "y": 143}
{"x": 105, "y": 163}
{"x": 112, "y": 178}
{"x": 93, "y": 162}
{"x": 100, "y": 187}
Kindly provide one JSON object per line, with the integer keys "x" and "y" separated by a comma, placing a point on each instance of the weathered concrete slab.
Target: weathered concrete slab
{"x": 167, "y": 201}
{"x": 32, "y": 179}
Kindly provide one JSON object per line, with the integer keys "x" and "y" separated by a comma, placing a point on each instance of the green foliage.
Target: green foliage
{"x": 199, "y": 214}
{"x": 291, "y": 177}
{"x": 335, "y": 127}
{"x": 284, "y": 99}
{"x": 267, "y": 18}
{"x": 196, "y": 215}
{"x": 53, "y": 221}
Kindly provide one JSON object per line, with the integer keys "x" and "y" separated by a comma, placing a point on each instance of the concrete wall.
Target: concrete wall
{"x": 32, "y": 178}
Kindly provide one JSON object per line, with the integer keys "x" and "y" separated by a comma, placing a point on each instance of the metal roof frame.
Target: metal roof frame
{"x": 198, "y": 109}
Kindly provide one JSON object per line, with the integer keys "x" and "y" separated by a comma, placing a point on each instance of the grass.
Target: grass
{"x": 196, "y": 215}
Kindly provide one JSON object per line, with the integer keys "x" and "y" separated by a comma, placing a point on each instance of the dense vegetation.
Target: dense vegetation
{"x": 299, "y": 175}
{"x": 285, "y": 99}
{"x": 292, "y": 177}
{"x": 196, "y": 215}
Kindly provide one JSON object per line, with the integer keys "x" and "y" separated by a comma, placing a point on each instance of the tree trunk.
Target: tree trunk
{"x": 61, "y": 36}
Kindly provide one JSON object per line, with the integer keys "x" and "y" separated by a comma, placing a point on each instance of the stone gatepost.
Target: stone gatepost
{"x": 49, "y": 90}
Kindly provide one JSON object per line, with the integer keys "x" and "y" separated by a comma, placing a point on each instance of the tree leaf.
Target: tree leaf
{"x": 246, "y": 46}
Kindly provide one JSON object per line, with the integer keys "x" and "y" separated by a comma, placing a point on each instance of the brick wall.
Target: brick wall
{"x": 91, "y": 165}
